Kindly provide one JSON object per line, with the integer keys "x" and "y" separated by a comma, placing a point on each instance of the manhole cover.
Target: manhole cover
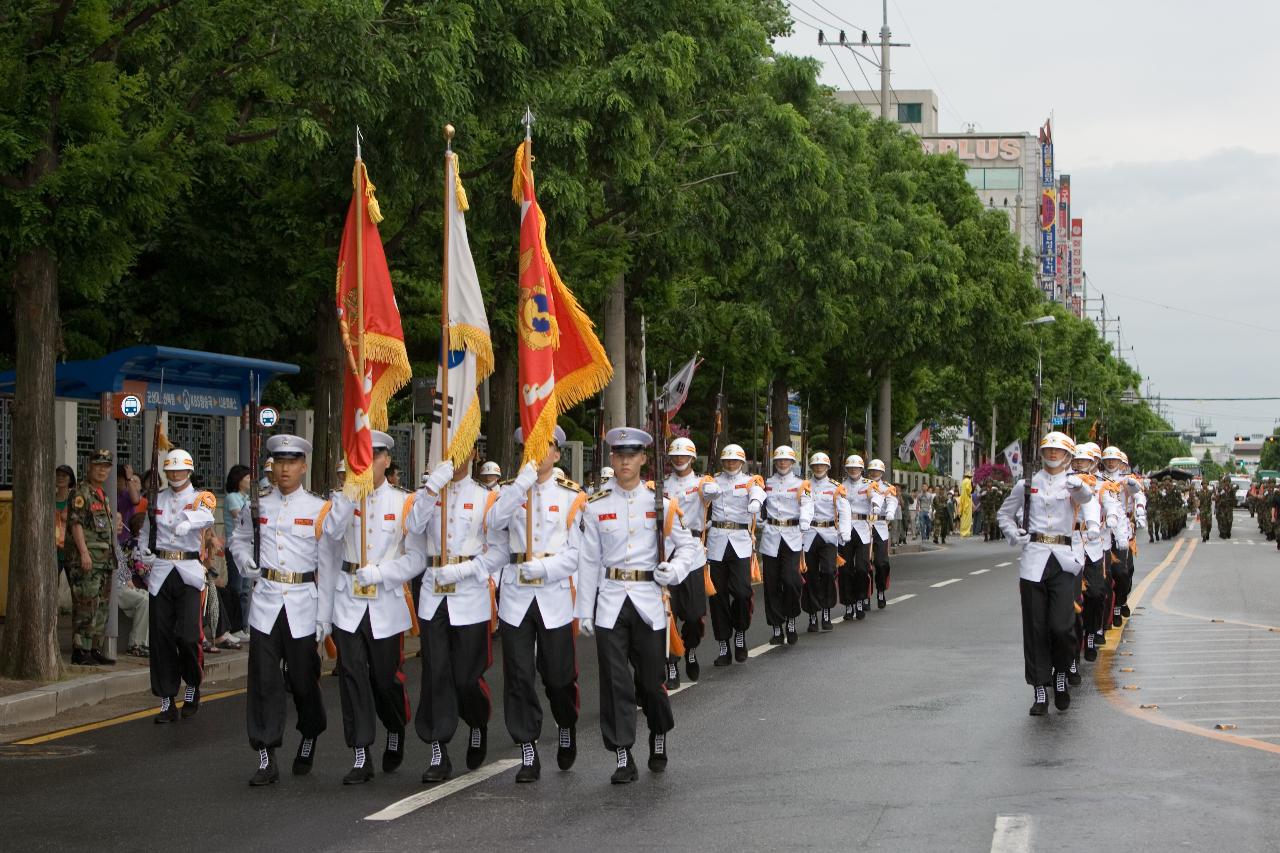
{"x": 40, "y": 750}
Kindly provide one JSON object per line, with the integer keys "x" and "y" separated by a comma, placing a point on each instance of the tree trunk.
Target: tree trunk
{"x": 502, "y": 423}
{"x": 615, "y": 344}
{"x": 29, "y": 645}
{"x": 836, "y": 439}
{"x": 635, "y": 368}
{"x": 781, "y": 420}
{"x": 327, "y": 449}
{"x": 884, "y": 428}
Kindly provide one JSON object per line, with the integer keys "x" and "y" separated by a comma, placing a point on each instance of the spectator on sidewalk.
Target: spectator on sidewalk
{"x": 131, "y": 591}
{"x": 128, "y": 497}
{"x": 234, "y": 597}
{"x": 65, "y": 480}
{"x": 92, "y": 526}
{"x": 393, "y": 475}
{"x": 924, "y": 513}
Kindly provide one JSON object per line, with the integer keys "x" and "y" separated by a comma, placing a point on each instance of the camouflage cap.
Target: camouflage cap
{"x": 101, "y": 457}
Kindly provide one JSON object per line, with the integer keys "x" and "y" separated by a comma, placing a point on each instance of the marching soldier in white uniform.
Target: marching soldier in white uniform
{"x": 736, "y": 498}
{"x": 689, "y": 597}
{"x": 454, "y": 610}
{"x": 1096, "y": 583}
{"x": 623, "y": 581}
{"x": 880, "y": 548}
{"x": 828, "y": 532}
{"x": 1134, "y": 501}
{"x": 370, "y": 615}
{"x": 535, "y": 610}
{"x": 866, "y": 503}
{"x": 176, "y": 579}
{"x": 1049, "y": 570}
{"x": 788, "y": 512}
{"x": 290, "y": 611}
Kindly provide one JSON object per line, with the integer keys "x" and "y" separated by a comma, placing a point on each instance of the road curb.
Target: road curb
{"x": 50, "y": 700}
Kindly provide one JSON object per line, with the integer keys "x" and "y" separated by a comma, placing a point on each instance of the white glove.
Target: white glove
{"x": 183, "y": 528}
{"x": 664, "y": 574}
{"x": 532, "y": 571}
{"x": 144, "y": 556}
{"x": 368, "y": 576}
{"x": 804, "y": 526}
{"x": 455, "y": 572}
{"x": 710, "y": 490}
{"x": 1113, "y": 523}
{"x": 1074, "y": 482}
{"x": 440, "y": 477}
{"x": 1093, "y": 534}
{"x": 250, "y": 570}
{"x": 323, "y": 629}
{"x": 587, "y": 627}
{"x": 1140, "y": 522}
{"x": 526, "y": 477}
{"x": 1022, "y": 537}
{"x": 754, "y": 507}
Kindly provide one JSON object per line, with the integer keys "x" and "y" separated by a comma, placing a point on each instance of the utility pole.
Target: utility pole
{"x": 884, "y": 406}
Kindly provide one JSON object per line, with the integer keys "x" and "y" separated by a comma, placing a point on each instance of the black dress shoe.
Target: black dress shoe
{"x": 1091, "y": 654}
{"x": 813, "y": 625}
{"x": 530, "y": 765}
{"x": 1061, "y": 696}
{"x": 477, "y": 747}
{"x": 880, "y": 601}
{"x": 81, "y": 657}
{"x": 1116, "y": 619}
{"x": 168, "y": 711}
{"x": 393, "y": 755}
{"x": 673, "y": 675}
{"x": 861, "y": 611}
{"x": 722, "y": 660}
{"x": 657, "y": 752}
{"x": 440, "y": 767}
{"x": 792, "y": 636}
{"x": 1124, "y": 610}
{"x": 191, "y": 702}
{"x": 567, "y": 751}
{"x": 626, "y": 771}
{"x": 776, "y": 639}
{"x": 99, "y": 657}
{"x": 826, "y": 620}
{"x": 848, "y": 612}
{"x": 1073, "y": 674}
{"x": 268, "y": 771}
{"x": 1040, "y": 707}
{"x": 306, "y": 755}
{"x": 740, "y": 646}
{"x": 691, "y": 666}
{"x": 361, "y": 772}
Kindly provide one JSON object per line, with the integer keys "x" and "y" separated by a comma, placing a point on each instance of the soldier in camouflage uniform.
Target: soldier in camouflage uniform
{"x": 92, "y": 525}
{"x": 942, "y": 518}
{"x": 1265, "y": 523}
{"x": 992, "y": 497}
{"x": 1225, "y": 506}
{"x": 1206, "y": 510}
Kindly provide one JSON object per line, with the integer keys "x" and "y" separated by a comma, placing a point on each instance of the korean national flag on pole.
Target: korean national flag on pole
{"x": 676, "y": 390}
{"x": 908, "y": 441}
{"x": 1013, "y": 457}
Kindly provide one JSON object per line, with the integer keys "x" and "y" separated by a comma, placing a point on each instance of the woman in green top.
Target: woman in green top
{"x": 66, "y": 484}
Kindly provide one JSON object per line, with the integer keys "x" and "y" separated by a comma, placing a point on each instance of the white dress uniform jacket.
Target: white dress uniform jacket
{"x": 889, "y": 510}
{"x": 468, "y": 500}
{"x": 1110, "y": 512}
{"x": 290, "y": 527}
{"x": 1125, "y": 488}
{"x": 686, "y": 490}
{"x": 620, "y": 532}
{"x": 173, "y": 508}
{"x": 832, "y": 519}
{"x": 787, "y": 498}
{"x": 557, "y": 540}
{"x": 738, "y": 492}
{"x": 866, "y": 498}
{"x": 1054, "y": 511}
{"x": 385, "y": 525}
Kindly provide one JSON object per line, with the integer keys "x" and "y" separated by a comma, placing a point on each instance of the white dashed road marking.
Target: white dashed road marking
{"x": 412, "y": 803}
{"x": 941, "y": 584}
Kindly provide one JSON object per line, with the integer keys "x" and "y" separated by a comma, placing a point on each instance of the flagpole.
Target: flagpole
{"x": 360, "y": 209}
{"x": 444, "y": 343}
{"x": 528, "y": 502}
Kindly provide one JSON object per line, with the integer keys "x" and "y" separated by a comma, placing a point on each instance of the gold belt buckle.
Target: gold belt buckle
{"x": 523, "y": 580}
{"x": 444, "y": 589}
{"x": 365, "y": 592}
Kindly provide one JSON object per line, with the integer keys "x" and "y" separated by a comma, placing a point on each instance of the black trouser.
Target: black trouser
{"x": 855, "y": 574}
{"x": 265, "y": 701}
{"x": 782, "y": 583}
{"x": 731, "y": 605}
{"x": 174, "y": 624}
{"x": 1122, "y": 575}
{"x": 370, "y": 682}
{"x": 529, "y": 646}
{"x": 231, "y": 616}
{"x": 689, "y": 606}
{"x": 1096, "y": 592}
{"x": 632, "y": 644}
{"x": 454, "y": 659}
{"x": 881, "y": 551}
{"x": 1048, "y": 623}
{"x": 820, "y": 580}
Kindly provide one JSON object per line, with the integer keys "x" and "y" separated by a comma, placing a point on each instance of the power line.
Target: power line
{"x": 841, "y": 67}
{"x": 838, "y": 18}
{"x": 1195, "y": 313}
{"x": 821, "y": 23}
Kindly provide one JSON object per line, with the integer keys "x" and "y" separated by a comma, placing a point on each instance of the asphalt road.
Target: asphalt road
{"x": 907, "y": 731}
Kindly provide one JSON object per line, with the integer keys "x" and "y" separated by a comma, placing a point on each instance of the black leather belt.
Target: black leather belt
{"x": 822, "y": 524}
{"x": 521, "y": 557}
{"x": 730, "y": 525}
{"x": 350, "y": 568}
{"x": 1050, "y": 539}
{"x": 857, "y": 516}
{"x": 629, "y": 575}
{"x": 177, "y": 555}
{"x": 784, "y": 522}
{"x": 287, "y": 577}
{"x": 435, "y": 562}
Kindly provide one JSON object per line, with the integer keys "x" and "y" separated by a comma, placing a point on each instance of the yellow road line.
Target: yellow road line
{"x": 1106, "y": 683}
{"x": 115, "y": 721}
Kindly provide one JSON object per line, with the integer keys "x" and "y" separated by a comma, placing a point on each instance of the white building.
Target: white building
{"x": 914, "y": 109}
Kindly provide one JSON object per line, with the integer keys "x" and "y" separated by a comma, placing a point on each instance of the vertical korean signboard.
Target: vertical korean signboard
{"x": 1064, "y": 253}
{"x": 1048, "y": 214}
{"x": 1077, "y": 270}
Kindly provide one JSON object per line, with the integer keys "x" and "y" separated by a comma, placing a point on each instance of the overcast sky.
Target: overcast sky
{"x": 1164, "y": 116}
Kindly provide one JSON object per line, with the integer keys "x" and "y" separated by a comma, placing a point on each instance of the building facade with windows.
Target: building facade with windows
{"x": 914, "y": 109}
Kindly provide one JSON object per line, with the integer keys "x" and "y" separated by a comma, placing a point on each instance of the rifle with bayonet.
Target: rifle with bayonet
{"x": 255, "y": 456}
{"x": 1033, "y": 441}
{"x": 153, "y": 482}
